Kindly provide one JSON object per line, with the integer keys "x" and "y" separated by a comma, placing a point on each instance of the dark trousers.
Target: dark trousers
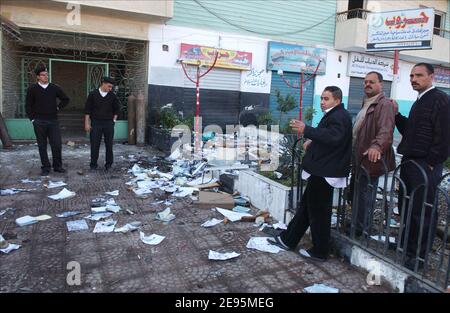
{"x": 48, "y": 129}
{"x": 314, "y": 212}
{"x": 365, "y": 189}
{"x": 412, "y": 177}
{"x": 99, "y": 128}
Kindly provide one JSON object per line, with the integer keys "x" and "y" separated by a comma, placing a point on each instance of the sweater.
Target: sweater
{"x": 426, "y": 131}
{"x": 41, "y": 102}
{"x": 101, "y": 108}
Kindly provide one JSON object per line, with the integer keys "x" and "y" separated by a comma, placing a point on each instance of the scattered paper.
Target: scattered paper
{"x": 128, "y": 227}
{"x": 279, "y": 225}
{"x": 43, "y": 217}
{"x": 184, "y": 191}
{"x": 241, "y": 209}
{"x": 29, "y": 181}
{"x": 26, "y": 220}
{"x": 211, "y": 222}
{"x": 112, "y": 193}
{"x": 10, "y": 248}
{"x": 105, "y": 227}
{"x": 12, "y": 191}
{"x": 261, "y": 244}
{"x": 98, "y": 216}
{"x": 52, "y": 184}
{"x": 165, "y": 216}
{"x": 63, "y": 194}
{"x": 6, "y": 210}
{"x": 321, "y": 288}
{"x": 68, "y": 214}
{"x": 153, "y": 239}
{"x": 213, "y": 255}
{"x": 383, "y": 238}
{"x": 232, "y": 216}
{"x": 77, "y": 225}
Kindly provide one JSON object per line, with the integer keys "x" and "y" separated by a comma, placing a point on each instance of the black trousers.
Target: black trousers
{"x": 315, "y": 212}
{"x": 101, "y": 128}
{"x": 412, "y": 177}
{"x": 364, "y": 201}
{"x": 48, "y": 129}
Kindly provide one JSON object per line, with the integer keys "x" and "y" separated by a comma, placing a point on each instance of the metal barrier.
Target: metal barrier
{"x": 399, "y": 220}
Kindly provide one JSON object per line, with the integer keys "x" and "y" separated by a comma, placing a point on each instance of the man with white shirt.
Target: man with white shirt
{"x": 101, "y": 111}
{"x": 42, "y": 108}
{"x": 326, "y": 165}
{"x": 425, "y": 141}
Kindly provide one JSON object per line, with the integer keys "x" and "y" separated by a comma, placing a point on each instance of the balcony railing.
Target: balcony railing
{"x": 355, "y": 13}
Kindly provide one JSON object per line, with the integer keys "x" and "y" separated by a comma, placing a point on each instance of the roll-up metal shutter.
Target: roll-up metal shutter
{"x": 279, "y": 84}
{"x": 356, "y": 94}
{"x": 217, "y": 78}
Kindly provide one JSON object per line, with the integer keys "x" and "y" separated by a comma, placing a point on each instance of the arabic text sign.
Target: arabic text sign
{"x": 400, "y": 30}
{"x": 289, "y": 58}
{"x": 193, "y": 54}
{"x": 360, "y": 64}
{"x": 442, "y": 77}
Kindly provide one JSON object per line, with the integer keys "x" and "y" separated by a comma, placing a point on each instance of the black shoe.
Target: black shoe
{"x": 308, "y": 254}
{"x": 276, "y": 241}
{"x": 45, "y": 172}
{"x": 59, "y": 170}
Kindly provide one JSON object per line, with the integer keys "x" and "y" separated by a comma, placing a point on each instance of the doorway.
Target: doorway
{"x": 77, "y": 79}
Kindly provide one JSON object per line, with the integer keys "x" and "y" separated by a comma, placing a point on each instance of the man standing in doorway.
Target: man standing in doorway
{"x": 372, "y": 140}
{"x": 101, "y": 111}
{"x": 326, "y": 165}
{"x": 42, "y": 109}
{"x": 425, "y": 141}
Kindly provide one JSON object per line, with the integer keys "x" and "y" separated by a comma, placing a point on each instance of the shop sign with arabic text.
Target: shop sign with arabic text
{"x": 400, "y": 30}
{"x": 193, "y": 54}
{"x": 360, "y": 64}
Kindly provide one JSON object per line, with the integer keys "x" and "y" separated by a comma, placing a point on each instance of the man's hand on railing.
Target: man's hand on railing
{"x": 297, "y": 125}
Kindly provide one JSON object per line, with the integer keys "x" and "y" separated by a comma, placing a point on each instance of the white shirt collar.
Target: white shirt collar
{"x": 422, "y": 93}
{"x": 328, "y": 110}
{"x": 102, "y": 93}
{"x": 43, "y": 85}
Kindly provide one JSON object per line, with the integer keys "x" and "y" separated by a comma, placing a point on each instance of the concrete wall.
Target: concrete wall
{"x": 391, "y": 5}
{"x": 34, "y": 14}
{"x": 10, "y": 82}
{"x": 147, "y": 7}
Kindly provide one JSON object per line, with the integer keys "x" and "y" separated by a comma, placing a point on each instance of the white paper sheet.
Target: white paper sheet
{"x": 184, "y": 191}
{"x": 321, "y": 288}
{"x": 232, "y": 216}
{"x": 55, "y": 184}
{"x": 212, "y": 222}
{"x": 105, "y": 227}
{"x": 63, "y": 194}
{"x": 29, "y": 181}
{"x": 98, "y": 216}
{"x": 77, "y": 225}
{"x": 26, "y": 220}
{"x": 383, "y": 238}
{"x": 261, "y": 244}
{"x": 112, "y": 193}
{"x": 153, "y": 239}
{"x": 128, "y": 227}
{"x": 279, "y": 225}
{"x": 10, "y": 248}
{"x": 165, "y": 216}
{"x": 214, "y": 255}
{"x": 68, "y": 214}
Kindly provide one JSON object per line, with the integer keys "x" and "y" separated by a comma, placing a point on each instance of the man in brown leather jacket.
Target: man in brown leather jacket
{"x": 372, "y": 142}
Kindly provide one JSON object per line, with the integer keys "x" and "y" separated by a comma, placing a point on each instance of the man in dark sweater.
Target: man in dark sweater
{"x": 42, "y": 108}
{"x": 101, "y": 110}
{"x": 425, "y": 142}
{"x": 326, "y": 165}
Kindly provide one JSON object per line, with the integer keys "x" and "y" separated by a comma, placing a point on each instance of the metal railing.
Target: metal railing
{"x": 351, "y": 14}
{"x": 399, "y": 224}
